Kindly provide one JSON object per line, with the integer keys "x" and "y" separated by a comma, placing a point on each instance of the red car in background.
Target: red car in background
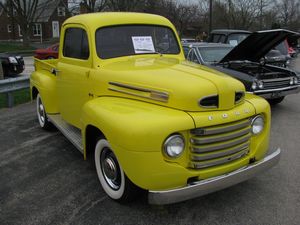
{"x": 47, "y": 53}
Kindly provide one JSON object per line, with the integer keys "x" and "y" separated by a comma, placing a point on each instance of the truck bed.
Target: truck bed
{"x": 48, "y": 65}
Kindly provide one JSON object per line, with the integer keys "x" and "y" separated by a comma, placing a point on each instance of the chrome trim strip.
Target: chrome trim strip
{"x": 224, "y": 153}
{"x": 213, "y": 184}
{"x": 154, "y": 95}
{"x": 221, "y": 138}
{"x": 276, "y": 80}
{"x": 201, "y": 165}
{"x": 276, "y": 89}
{"x": 204, "y": 149}
{"x": 218, "y": 130}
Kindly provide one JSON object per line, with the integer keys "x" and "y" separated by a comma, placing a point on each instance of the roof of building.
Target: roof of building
{"x": 46, "y": 9}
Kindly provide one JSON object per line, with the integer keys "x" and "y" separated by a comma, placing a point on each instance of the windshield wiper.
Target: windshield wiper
{"x": 148, "y": 50}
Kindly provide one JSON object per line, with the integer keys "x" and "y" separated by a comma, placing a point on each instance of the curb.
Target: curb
{"x": 22, "y": 53}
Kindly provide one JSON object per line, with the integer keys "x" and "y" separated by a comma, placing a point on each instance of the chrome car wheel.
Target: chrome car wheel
{"x": 41, "y": 113}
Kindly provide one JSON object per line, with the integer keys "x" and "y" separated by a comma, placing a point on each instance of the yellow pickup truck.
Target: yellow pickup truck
{"x": 122, "y": 92}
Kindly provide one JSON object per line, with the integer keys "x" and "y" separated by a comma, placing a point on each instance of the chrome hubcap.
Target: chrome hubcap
{"x": 110, "y": 169}
{"x": 41, "y": 111}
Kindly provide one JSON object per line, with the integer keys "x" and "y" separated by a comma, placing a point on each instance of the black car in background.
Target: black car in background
{"x": 11, "y": 64}
{"x": 232, "y": 37}
{"x": 247, "y": 63}
{"x": 277, "y": 56}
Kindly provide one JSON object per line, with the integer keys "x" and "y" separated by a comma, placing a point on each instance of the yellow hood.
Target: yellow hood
{"x": 170, "y": 82}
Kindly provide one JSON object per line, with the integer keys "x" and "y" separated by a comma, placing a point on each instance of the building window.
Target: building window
{"x": 20, "y": 31}
{"x": 9, "y": 11}
{"x": 61, "y": 11}
{"x": 9, "y": 28}
{"x": 37, "y": 29}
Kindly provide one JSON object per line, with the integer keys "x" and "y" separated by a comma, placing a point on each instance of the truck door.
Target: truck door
{"x": 73, "y": 73}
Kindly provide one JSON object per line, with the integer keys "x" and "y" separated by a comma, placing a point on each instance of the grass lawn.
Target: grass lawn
{"x": 11, "y": 47}
{"x": 20, "y": 96}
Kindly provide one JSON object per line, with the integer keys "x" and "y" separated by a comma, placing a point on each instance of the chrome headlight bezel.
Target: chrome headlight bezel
{"x": 254, "y": 85}
{"x": 174, "y": 146}
{"x": 257, "y": 124}
{"x": 12, "y": 60}
{"x": 295, "y": 80}
{"x": 260, "y": 84}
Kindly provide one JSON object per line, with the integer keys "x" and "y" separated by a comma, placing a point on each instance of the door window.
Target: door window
{"x": 76, "y": 44}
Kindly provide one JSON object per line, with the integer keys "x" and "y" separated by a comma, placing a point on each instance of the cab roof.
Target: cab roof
{"x": 103, "y": 19}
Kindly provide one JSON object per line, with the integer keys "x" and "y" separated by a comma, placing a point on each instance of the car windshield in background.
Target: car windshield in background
{"x": 236, "y": 38}
{"x": 213, "y": 54}
{"x": 127, "y": 40}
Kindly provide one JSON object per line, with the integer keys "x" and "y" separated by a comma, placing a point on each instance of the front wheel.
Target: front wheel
{"x": 41, "y": 114}
{"x": 111, "y": 175}
{"x": 275, "y": 101}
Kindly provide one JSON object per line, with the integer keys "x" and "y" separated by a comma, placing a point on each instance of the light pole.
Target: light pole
{"x": 210, "y": 16}
{"x": 261, "y": 15}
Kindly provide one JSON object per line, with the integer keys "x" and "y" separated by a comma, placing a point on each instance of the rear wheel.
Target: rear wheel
{"x": 41, "y": 114}
{"x": 111, "y": 175}
{"x": 275, "y": 101}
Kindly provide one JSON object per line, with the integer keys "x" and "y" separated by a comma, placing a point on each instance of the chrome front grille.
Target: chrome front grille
{"x": 217, "y": 145}
{"x": 276, "y": 83}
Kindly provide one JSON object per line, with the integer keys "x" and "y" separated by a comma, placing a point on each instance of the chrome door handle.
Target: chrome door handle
{"x": 55, "y": 71}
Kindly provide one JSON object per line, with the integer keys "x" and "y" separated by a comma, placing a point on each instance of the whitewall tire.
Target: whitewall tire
{"x": 111, "y": 175}
{"x": 41, "y": 113}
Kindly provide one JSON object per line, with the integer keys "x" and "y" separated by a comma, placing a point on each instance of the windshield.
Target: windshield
{"x": 213, "y": 54}
{"x": 235, "y": 39}
{"x": 127, "y": 40}
{"x": 282, "y": 48}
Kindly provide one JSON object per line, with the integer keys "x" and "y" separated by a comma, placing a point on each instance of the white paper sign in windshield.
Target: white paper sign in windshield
{"x": 143, "y": 44}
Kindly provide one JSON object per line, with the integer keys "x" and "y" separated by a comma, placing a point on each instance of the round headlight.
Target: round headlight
{"x": 257, "y": 124}
{"x": 260, "y": 84}
{"x": 174, "y": 145}
{"x": 295, "y": 80}
{"x": 292, "y": 81}
{"x": 254, "y": 85}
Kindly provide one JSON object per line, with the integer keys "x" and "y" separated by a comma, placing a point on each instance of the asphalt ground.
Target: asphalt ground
{"x": 44, "y": 180}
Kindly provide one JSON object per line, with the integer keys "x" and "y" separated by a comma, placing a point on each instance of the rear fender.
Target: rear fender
{"x": 45, "y": 83}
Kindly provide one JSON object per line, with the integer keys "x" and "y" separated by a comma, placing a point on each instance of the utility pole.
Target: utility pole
{"x": 210, "y": 15}
{"x": 261, "y": 15}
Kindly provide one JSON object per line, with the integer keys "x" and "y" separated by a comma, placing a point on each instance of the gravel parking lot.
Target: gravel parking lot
{"x": 44, "y": 180}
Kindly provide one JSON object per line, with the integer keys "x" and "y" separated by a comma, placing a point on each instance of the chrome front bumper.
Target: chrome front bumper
{"x": 213, "y": 184}
{"x": 276, "y": 93}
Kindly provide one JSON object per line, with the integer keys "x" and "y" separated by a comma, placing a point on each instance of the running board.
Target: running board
{"x": 70, "y": 132}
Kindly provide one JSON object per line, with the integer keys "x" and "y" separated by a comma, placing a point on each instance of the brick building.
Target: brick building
{"x": 47, "y": 26}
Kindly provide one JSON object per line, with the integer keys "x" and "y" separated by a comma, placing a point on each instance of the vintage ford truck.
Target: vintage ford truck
{"x": 123, "y": 93}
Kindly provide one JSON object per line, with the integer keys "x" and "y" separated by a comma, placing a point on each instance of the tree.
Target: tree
{"x": 25, "y": 13}
{"x": 288, "y": 13}
{"x": 126, "y": 5}
{"x": 94, "y": 5}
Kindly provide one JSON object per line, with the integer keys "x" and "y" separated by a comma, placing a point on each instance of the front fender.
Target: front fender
{"x": 134, "y": 125}
{"x": 136, "y": 131}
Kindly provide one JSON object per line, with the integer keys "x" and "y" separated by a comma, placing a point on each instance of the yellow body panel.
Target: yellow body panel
{"x": 138, "y": 101}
